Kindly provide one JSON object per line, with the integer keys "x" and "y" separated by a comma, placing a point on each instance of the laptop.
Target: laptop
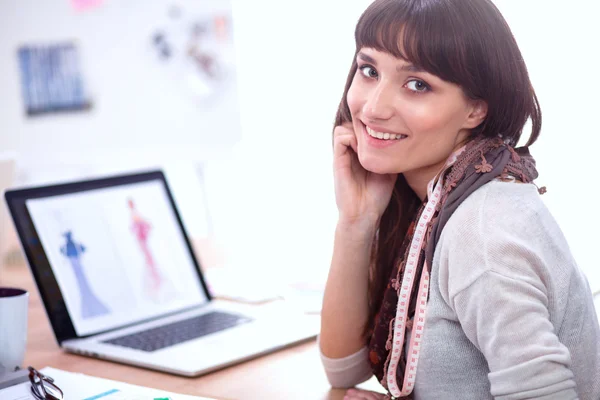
{"x": 119, "y": 280}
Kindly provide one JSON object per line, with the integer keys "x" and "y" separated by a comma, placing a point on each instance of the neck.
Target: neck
{"x": 419, "y": 179}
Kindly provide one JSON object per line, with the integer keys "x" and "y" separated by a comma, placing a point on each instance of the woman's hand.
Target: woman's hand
{"x": 358, "y": 394}
{"x": 361, "y": 196}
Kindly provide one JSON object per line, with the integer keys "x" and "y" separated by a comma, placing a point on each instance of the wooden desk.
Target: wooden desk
{"x": 294, "y": 373}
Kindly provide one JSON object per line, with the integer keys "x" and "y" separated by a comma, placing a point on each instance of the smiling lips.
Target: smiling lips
{"x": 383, "y": 135}
{"x": 381, "y": 140}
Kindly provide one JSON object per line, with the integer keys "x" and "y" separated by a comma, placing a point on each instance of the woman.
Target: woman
{"x": 444, "y": 250}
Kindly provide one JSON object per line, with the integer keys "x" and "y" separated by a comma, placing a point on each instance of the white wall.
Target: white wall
{"x": 272, "y": 196}
{"x": 279, "y": 212}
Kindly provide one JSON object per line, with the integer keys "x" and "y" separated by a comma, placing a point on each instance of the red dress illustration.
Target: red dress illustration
{"x": 156, "y": 284}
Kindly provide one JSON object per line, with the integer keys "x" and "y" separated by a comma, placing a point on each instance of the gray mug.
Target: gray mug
{"x": 13, "y": 328}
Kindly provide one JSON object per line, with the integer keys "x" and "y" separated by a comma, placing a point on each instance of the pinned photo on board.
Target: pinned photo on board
{"x": 196, "y": 47}
{"x": 51, "y": 79}
{"x": 85, "y": 5}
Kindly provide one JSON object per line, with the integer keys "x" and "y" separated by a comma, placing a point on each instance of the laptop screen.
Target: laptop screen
{"x": 118, "y": 254}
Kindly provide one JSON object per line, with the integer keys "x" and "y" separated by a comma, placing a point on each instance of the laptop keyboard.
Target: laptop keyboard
{"x": 180, "y": 331}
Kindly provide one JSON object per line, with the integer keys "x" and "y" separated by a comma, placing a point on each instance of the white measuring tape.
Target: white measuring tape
{"x": 414, "y": 347}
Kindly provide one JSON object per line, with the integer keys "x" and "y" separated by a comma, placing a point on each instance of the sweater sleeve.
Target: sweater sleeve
{"x": 507, "y": 320}
{"x": 348, "y": 371}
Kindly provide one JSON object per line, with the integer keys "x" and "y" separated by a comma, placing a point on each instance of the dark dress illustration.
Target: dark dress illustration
{"x": 91, "y": 306}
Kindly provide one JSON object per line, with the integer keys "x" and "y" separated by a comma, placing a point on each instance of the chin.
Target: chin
{"x": 377, "y": 165}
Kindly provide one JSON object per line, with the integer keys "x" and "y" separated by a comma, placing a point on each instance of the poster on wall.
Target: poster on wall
{"x": 51, "y": 79}
{"x": 194, "y": 45}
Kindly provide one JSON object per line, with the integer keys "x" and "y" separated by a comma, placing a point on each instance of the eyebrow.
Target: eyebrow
{"x": 366, "y": 58}
{"x": 410, "y": 68}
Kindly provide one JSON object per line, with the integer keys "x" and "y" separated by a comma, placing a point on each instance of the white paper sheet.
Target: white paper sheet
{"x": 83, "y": 387}
{"x": 17, "y": 392}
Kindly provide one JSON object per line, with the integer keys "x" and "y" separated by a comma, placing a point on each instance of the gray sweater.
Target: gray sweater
{"x": 510, "y": 315}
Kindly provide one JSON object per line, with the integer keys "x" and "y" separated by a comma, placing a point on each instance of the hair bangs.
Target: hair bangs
{"x": 380, "y": 28}
{"x": 412, "y": 31}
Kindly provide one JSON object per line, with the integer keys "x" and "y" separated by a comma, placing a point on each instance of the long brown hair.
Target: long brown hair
{"x": 465, "y": 42}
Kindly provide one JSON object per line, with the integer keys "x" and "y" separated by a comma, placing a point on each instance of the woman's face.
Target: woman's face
{"x": 405, "y": 119}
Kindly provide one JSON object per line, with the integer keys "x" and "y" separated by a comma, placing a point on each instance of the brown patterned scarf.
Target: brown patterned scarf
{"x": 482, "y": 161}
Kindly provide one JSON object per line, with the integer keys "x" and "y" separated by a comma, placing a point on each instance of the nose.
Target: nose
{"x": 379, "y": 104}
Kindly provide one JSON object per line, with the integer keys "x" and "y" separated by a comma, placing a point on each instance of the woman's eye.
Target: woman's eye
{"x": 417, "y": 86}
{"x": 368, "y": 71}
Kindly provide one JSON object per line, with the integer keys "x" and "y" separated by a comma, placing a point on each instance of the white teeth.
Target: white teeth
{"x": 384, "y": 136}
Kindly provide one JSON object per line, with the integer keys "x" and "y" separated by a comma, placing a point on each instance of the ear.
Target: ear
{"x": 477, "y": 114}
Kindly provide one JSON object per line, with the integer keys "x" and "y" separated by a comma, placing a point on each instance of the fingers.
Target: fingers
{"x": 344, "y": 137}
{"x": 358, "y": 394}
{"x": 342, "y": 144}
{"x": 346, "y": 127}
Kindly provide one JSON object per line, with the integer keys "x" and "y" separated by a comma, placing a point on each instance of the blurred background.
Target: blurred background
{"x": 235, "y": 101}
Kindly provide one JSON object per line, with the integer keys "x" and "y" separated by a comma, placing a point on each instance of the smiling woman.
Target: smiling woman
{"x": 426, "y": 117}
{"x": 450, "y": 278}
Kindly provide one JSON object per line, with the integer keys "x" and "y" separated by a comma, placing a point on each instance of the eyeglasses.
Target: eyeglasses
{"x": 43, "y": 386}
